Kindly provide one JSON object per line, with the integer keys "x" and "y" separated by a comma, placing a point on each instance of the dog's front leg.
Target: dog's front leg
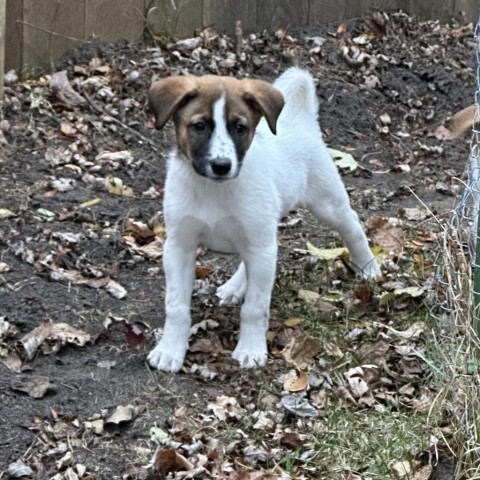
{"x": 251, "y": 350}
{"x": 179, "y": 266}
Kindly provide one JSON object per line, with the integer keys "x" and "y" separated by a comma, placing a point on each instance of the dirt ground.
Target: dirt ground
{"x": 59, "y": 249}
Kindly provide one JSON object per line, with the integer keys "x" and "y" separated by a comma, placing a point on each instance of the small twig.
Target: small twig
{"x": 100, "y": 110}
{"x": 55, "y": 34}
{"x": 424, "y": 205}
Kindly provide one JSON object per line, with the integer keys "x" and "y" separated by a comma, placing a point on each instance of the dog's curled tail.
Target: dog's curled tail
{"x": 298, "y": 88}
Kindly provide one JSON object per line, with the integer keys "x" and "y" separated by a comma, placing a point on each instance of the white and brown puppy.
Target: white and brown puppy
{"x": 247, "y": 152}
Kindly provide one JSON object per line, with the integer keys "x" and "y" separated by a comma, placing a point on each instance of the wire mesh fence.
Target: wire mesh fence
{"x": 459, "y": 263}
{"x": 456, "y": 301}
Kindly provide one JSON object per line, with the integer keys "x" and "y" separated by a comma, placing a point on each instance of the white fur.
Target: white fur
{"x": 279, "y": 173}
{"x": 221, "y": 144}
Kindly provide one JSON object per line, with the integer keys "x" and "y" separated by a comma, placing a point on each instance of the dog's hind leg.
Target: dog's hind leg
{"x": 328, "y": 200}
{"x": 345, "y": 222}
{"x": 233, "y": 291}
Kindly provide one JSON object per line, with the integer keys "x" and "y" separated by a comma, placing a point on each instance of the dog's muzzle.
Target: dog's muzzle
{"x": 221, "y": 167}
{"x": 218, "y": 168}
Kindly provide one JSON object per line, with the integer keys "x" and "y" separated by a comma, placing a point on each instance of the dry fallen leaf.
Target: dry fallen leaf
{"x": 63, "y": 91}
{"x": 51, "y": 337}
{"x": 122, "y": 414}
{"x": 262, "y": 421}
{"x": 343, "y": 159}
{"x": 457, "y": 125}
{"x": 6, "y": 329}
{"x": 135, "y": 334}
{"x": 139, "y": 229}
{"x": 225, "y": 407}
{"x": 124, "y": 156}
{"x": 6, "y": 213}
{"x": 97, "y": 426}
{"x": 115, "y": 186}
{"x": 416, "y": 214}
{"x": 292, "y": 322}
{"x": 13, "y": 362}
{"x": 327, "y": 253}
{"x": 372, "y": 353}
{"x": 211, "y": 344}
{"x": 90, "y": 203}
{"x": 296, "y": 381}
{"x": 390, "y": 237}
{"x": 352, "y": 476}
{"x": 36, "y": 386}
{"x": 202, "y": 272}
{"x": 401, "y": 470}
{"x": 18, "y": 470}
{"x": 309, "y": 296}
{"x": 168, "y": 460}
{"x": 358, "y": 386}
{"x": 357, "y": 381}
{"x": 4, "y": 268}
{"x": 437, "y": 457}
{"x": 300, "y": 351}
{"x": 297, "y": 404}
{"x": 68, "y": 129}
{"x": 152, "y": 250}
{"x": 333, "y": 350}
{"x": 422, "y": 403}
{"x": 115, "y": 289}
{"x": 65, "y": 461}
{"x": 205, "y": 325}
{"x": 412, "y": 332}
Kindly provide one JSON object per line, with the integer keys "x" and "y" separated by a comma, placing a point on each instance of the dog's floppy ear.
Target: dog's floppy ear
{"x": 166, "y": 96}
{"x": 265, "y": 98}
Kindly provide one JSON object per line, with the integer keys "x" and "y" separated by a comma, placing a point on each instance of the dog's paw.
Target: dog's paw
{"x": 252, "y": 355}
{"x": 370, "y": 271}
{"x": 167, "y": 357}
{"x": 231, "y": 292}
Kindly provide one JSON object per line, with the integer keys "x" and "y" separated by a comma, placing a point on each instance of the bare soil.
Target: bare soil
{"x": 423, "y": 74}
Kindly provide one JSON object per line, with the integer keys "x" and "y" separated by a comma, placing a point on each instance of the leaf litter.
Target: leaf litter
{"x": 360, "y": 353}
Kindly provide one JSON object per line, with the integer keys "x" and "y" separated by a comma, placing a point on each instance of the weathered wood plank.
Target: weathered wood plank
{"x": 37, "y": 40}
{"x": 38, "y": 31}
{"x": 386, "y": 5}
{"x": 467, "y": 9}
{"x": 222, "y": 14}
{"x": 14, "y": 35}
{"x": 3, "y": 18}
{"x": 50, "y": 28}
{"x": 179, "y": 18}
{"x": 353, "y": 8}
{"x": 115, "y": 20}
{"x": 67, "y": 27}
{"x": 272, "y": 14}
{"x": 428, "y": 10}
{"x": 324, "y": 11}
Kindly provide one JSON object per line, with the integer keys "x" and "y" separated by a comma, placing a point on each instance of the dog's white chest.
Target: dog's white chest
{"x": 225, "y": 235}
{"x": 221, "y": 234}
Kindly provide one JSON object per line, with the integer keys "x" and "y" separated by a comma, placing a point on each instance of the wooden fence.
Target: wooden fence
{"x": 39, "y": 31}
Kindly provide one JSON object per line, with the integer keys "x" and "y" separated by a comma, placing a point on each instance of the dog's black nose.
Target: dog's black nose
{"x": 221, "y": 166}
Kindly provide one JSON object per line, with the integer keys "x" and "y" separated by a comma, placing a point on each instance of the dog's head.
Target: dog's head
{"x": 215, "y": 118}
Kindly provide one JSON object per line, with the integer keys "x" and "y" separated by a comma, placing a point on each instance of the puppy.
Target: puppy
{"x": 247, "y": 153}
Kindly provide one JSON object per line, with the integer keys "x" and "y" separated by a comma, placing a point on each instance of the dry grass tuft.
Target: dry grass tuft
{"x": 458, "y": 345}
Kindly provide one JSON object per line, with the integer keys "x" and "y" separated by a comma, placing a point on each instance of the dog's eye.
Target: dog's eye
{"x": 198, "y": 126}
{"x": 240, "y": 128}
